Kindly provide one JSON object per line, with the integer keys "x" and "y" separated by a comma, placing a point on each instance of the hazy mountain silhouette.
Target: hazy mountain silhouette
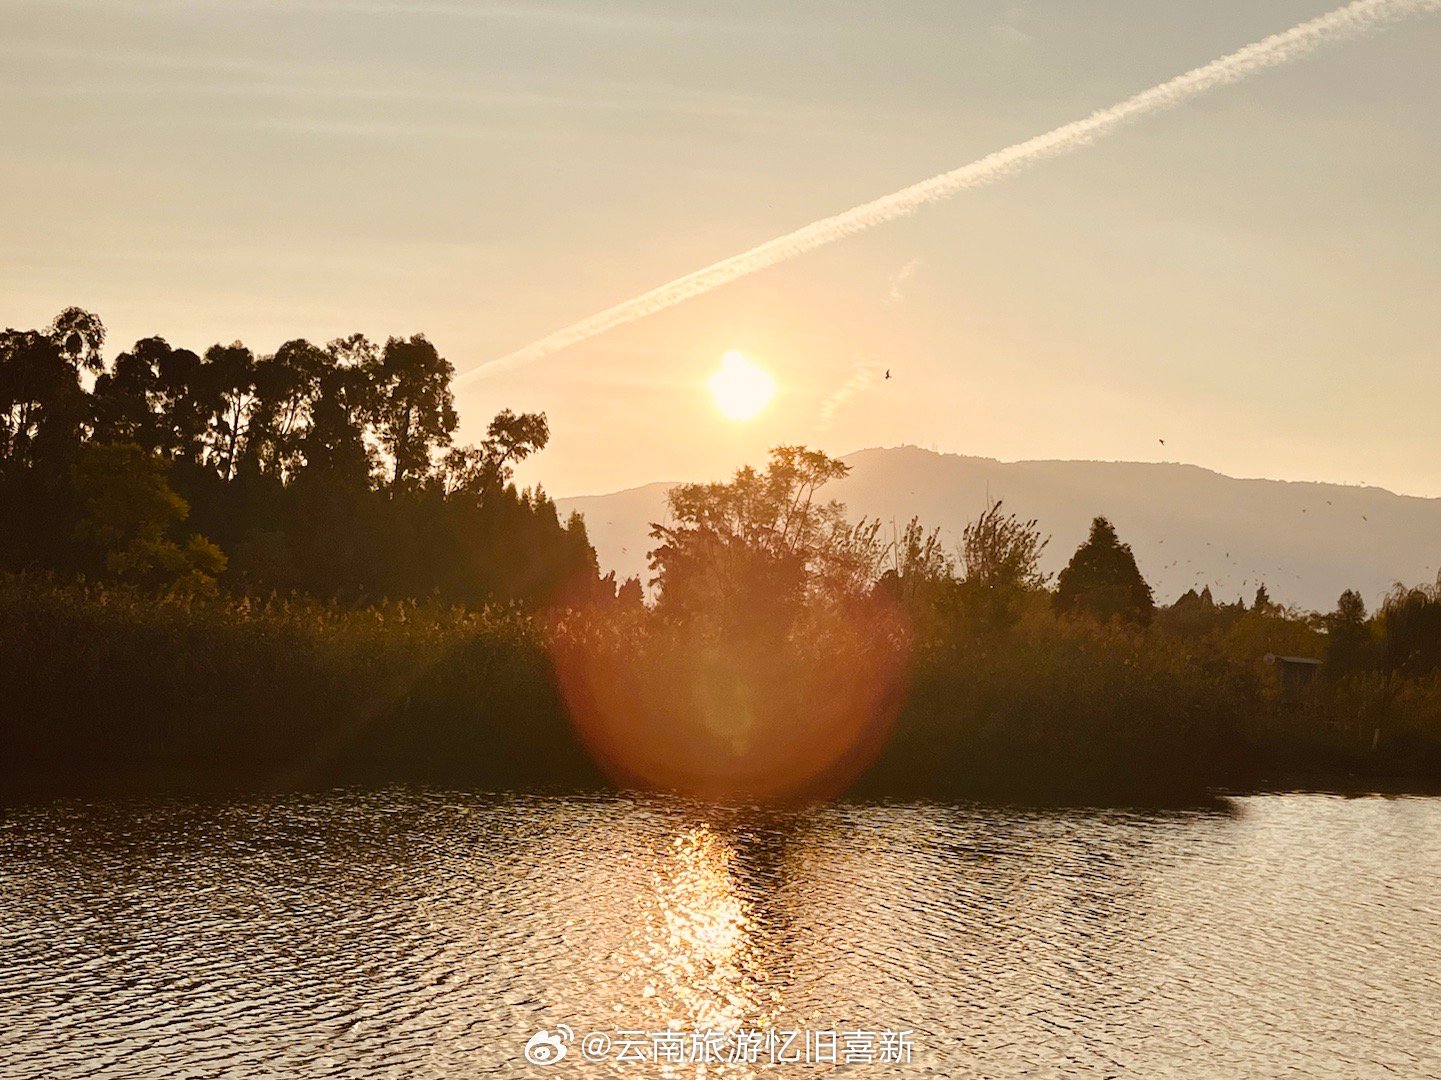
{"x": 1188, "y": 526}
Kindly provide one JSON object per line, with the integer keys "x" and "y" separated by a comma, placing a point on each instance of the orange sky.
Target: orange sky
{"x": 1253, "y": 278}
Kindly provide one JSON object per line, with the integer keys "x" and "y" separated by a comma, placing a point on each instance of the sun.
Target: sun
{"x": 741, "y": 388}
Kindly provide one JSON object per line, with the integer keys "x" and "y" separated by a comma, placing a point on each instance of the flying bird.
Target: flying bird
{"x": 888, "y": 373}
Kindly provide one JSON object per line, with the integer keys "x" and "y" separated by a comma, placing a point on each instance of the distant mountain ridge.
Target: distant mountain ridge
{"x": 1188, "y": 526}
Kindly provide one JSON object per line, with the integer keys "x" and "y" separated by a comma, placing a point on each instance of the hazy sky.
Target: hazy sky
{"x": 1255, "y": 278}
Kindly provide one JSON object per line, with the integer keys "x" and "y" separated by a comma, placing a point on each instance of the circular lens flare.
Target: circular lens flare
{"x": 741, "y": 388}
{"x": 783, "y": 717}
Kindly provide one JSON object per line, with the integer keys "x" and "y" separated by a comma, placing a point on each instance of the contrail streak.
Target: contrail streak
{"x": 1302, "y": 39}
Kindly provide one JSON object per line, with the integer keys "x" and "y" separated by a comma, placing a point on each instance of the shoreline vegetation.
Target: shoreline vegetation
{"x": 231, "y": 572}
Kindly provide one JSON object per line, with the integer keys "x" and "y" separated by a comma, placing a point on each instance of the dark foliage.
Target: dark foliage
{"x": 293, "y": 578}
{"x": 1103, "y": 581}
{"x": 327, "y": 470}
{"x": 115, "y": 688}
{"x": 1410, "y": 627}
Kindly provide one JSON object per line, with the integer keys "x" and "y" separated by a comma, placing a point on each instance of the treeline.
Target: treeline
{"x": 1038, "y": 694}
{"x": 329, "y": 470}
{"x": 990, "y": 679}
{"x": 238, "y": 570}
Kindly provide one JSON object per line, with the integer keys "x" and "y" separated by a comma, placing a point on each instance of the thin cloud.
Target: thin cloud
{"x": 577, "y": 18}
{"x": 1009, "y": 29}
{"x": 1352, "y": 20}
{"x": 896, "y": 292}
{"x": 864, "y": 375}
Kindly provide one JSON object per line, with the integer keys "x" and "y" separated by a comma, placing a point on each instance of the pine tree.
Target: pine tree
{"x": 1103, "y": 581}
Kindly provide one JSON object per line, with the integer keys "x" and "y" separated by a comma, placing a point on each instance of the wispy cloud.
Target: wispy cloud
{"x": 1299, "y": 41}
{"x": 865, "y": 373}
{"x": 577, "y": 17}
{"x": 896, "y": 293}
{"x": 72, "y": 70}
{"x": 1010, "y": 29}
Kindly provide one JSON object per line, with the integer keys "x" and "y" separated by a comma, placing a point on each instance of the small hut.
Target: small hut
{"x": 1297, "y": 673}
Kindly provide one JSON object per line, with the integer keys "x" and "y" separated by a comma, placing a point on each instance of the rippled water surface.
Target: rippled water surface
{"x": 431, "y": 934}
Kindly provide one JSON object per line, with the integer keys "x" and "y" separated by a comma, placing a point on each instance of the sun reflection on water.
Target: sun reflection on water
{"x": 695, "y": 953}
{"x": 417, "y": 934}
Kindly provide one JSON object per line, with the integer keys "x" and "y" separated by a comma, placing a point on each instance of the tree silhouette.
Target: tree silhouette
{"x": 333, "y": 447}
{"x": 286, "y": 387}
{"x": 1001, "y": 558}
{"x": 630, "y": 594}
{"x": 43, "y": 407}
{"x": 762, "y": 540}
{"x": 1411, "y": 629}
{"x": 317, "y": 468}
{"x": 79, "y": 335}
{"x": 1103, "y": 581}
{"x": 1003, "y": 553}
{"x": 226, "y": 388}
{"x": 1350, "y": 644}
{"x": 920, "y": 571}
{"x": 475, "y": 470}
{"x": 413, "y": 407}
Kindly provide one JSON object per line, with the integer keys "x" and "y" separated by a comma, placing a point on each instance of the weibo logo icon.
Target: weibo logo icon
{"x": 543, "y": 1048}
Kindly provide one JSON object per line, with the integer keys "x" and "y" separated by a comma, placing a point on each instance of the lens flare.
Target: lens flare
{"x": 781, "y": 716}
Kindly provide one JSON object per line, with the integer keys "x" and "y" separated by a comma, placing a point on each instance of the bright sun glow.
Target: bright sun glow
{"x": 741, "y": 388}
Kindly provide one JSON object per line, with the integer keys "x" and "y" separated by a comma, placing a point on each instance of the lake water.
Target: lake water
{"x": 416, "y": 934}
